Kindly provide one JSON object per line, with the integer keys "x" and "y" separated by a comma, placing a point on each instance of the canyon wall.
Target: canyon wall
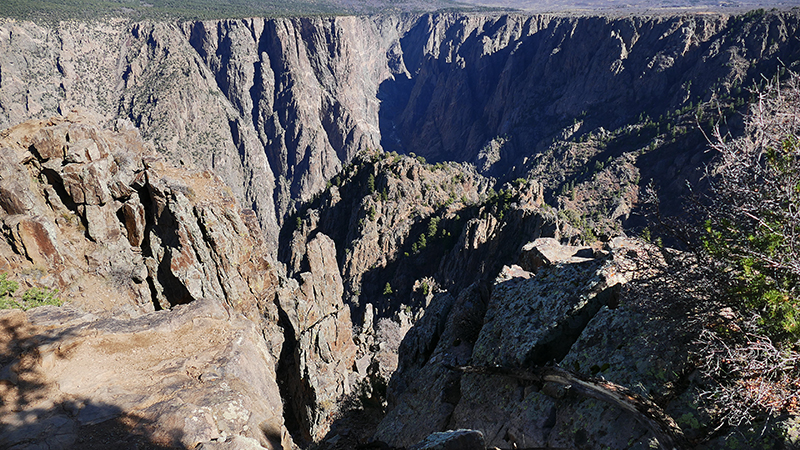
{"x": 269, "y": 197}
{"x": 277, "y": 106}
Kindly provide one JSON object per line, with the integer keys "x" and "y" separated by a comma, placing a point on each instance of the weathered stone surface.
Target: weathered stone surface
{"x": 567, "y": 313}
{"x": 548, "y": 251}
{"x": 16, "y": 195}
{"x": 453, "y": 440}
{"x": 133, "y": 211}
{"x": 324, "y": 353}
{"x": 102, "y": 223}
{"x": 193, "y": 375}
{"x": 231, "y": 443}
{"x": 163, "y": 238}
{"x": 422, "y": 386}
{"x": 35, "y": 238}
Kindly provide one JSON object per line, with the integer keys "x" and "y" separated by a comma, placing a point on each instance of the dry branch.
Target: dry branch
{"x": 666, "y": 430}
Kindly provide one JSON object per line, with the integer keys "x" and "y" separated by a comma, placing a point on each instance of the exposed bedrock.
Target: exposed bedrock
{"x": 567, "y": 313}
{"x": 202, "y": 337}
{"x": 224, "y": 129}
{"x": 276, "y": 107}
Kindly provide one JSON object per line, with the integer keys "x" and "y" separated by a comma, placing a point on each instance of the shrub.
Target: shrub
{"x": 752, "y": 211}
{"x": 35, "y": 297}
{"x": 740, "y": 280}
{"x": 32, "y": 298}
{"x": 7, "y": 287}
{"x": 433, "y": 226}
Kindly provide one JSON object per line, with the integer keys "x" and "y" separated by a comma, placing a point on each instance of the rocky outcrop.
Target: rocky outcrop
{"x": 196, "y": 375}
{"x": 101, "y": 217}
{"x": 320, "y": 365}
{"x": 529, "y": 321}
{"x": 389, "y": 215}
{"x": 287, "y": 113}
{"x": 98, "y": 217}
{"x": 409, "y": 231}
{"x": 452, "y": 440}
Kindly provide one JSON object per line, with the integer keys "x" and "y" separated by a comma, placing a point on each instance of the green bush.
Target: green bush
{"x": 35, "y": 297}
{"x": 32, "y": 298}
{"x": 7, "y": 287}
{"x": 433, "y": 226}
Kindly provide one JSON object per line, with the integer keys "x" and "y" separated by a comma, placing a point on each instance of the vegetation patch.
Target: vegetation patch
{"x": 32, "y": 298}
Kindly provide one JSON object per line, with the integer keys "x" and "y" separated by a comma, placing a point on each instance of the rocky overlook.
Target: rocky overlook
{"x": 334, "y": 232}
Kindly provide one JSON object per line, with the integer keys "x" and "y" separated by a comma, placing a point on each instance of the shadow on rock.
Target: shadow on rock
{"x": 34, "y": 415}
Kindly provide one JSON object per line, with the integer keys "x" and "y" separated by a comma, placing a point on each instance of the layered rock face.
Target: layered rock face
{"x": 277, "y": 107}
{"x": 99, "y": 212}
{"x": 178, "y": 323}
{"x": 99, "y": 216}
{"x": 137, "y": 233}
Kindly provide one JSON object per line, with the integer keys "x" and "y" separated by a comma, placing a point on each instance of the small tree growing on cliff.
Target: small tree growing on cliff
{"x": 750, "y": 235}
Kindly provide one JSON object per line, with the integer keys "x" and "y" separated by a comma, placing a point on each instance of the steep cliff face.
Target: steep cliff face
{"x": 289, "y": 114}
{"x": 517, "y": 81}
{"x": 146, "y": 73}
{"x": 277, "y": 107}
{"x": 306, "y": 86}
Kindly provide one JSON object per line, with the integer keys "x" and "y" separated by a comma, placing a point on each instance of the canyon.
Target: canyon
{"x": 274, "y": 232}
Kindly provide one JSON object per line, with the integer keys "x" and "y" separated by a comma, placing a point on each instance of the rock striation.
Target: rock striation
{"x": 228, "y": 174}
{"x": 320, "y": 366}
{"x": 277, "y": 107}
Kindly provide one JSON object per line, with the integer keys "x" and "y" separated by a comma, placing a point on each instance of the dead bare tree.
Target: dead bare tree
{"x": 749, "y": 237}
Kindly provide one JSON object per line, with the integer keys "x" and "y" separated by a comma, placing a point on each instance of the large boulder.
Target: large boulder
{"x": 571, "y": 313}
